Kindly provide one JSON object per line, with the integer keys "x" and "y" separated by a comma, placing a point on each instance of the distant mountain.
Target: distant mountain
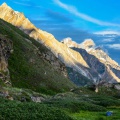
{"x": 83, "y": 60}
{"x": 101, "y": 66}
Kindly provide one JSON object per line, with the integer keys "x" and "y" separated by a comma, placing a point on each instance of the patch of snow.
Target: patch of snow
{"x": 90, "y": 49}
{"x": 17, "y": 12}
{"x": 102, "y": 59}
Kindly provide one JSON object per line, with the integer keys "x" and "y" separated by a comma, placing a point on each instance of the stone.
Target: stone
{"x": 117, "y": 87}
{"x": 37, "y": 99}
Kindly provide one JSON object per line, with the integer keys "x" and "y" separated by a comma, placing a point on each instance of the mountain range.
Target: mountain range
{"x": 82, "y": 63}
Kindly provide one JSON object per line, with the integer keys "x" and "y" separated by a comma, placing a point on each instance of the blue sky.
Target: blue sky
{"x": 85, "y": 15}
{"x": 77, "y": 19}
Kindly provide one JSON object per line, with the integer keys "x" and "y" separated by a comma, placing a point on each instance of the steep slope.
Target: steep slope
{"x": 101, "y": 66}
{"x": 32, "y": 65}
{"x": 99, "y": 71}
{"x": 68, "y": 56}
{"x": 112, "y": 67}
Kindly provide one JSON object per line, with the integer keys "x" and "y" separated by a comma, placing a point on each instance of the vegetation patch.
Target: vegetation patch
{"x": 12, "y": 110}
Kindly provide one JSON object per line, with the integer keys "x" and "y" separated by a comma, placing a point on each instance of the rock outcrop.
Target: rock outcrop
{"x": 54, "y": 61}
{"x": 5, "y": 51}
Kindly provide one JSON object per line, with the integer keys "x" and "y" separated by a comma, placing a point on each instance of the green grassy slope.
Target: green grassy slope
{"x": 39, "y": 75}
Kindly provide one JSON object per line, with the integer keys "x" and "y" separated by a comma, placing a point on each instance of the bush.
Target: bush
{"x": 74, "y": 105}
{"x": 106, "y": 101}
{"x": 109, "y": 102}
{"x": 12, "y": 110}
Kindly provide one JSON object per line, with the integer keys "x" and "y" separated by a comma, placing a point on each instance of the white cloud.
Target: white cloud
{"x": 25, "y": 0}
{"x": 24, "y": 4}
{"x": 108, "y": 40}
{"x": 74, "y": 11}
{"x": 108, "y": 33}
{"x": 114, "y": 46}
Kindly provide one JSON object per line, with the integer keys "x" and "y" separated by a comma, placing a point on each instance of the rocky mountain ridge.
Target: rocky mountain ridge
{"x": 73, "y": 58}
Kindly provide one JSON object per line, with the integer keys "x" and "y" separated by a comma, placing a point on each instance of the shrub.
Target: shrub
{"x": 12, "y": 110}
{"x": 74, "y": 105}
{"x": 106, "y": 101}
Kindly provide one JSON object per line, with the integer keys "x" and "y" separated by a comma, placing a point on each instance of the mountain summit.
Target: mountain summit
{"x": 83, "y": 58}
{"x": 70, "y": 43}
{"x": 88, "y": 43}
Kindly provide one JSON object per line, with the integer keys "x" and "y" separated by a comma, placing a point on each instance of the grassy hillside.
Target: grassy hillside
{"x": 27, "y": 68}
